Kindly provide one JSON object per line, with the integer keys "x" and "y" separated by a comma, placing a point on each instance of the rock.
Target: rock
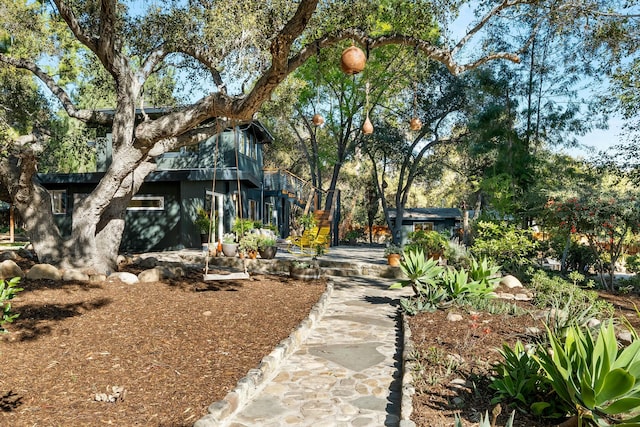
{"x": 44, "y": 271}
{"x": 173, "y": 272}
{"x": 503, "y": 295}
{"x": 148, "y": 262}
{"x": 9, "y": 270}
{"x": 72, "y": 274}
{"x": 150, "y": 275}
{"x": 8, "y": 255}
{"x": 453, "y": 317}
{"x": 511, "y": 282}
{"x": 522, "y": 297}
{"x": 97, "y": 277}
{"x": 122, "y": 260}
{"x": 532, "y": 330}
{"x": 625, "y": 337}
{"x": 124, "y": 277}
{"x": 25, "y": 253}
{"x": 593, "y": 322}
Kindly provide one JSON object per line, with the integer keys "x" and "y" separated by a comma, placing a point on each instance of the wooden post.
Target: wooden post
{"x": 11, "y": 224}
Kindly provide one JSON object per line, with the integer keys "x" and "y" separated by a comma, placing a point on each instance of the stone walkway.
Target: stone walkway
{"x": 347, "y": 372}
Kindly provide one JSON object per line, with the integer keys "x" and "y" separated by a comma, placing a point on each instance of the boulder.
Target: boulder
{"x": 511, "y": 282}
{"x": 97, "y": 277}
{"x": 151, "y": 275}
{"x": 44, "y": 271}
{"x": 8, "y": 255}
{"x": 125, "y": 277}
{"x": 72, "y": 274}
{"x": 452, "y": 317}
{"x": 148, "y": 262}
{"x": 9, "y": 270}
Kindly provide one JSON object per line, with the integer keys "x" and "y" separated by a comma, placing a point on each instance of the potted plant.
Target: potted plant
{"x": 203, "y": 222}
{"x": 242, "y": 226}
{"x": 267, "y": 247}
{"x": 432, "y": 243}
{"x": 249, "y": 245}
{"x": 393, "y": 253}
{"x": 304, "y": 270}
{"x": 229, "y": 245}
{"x": 352, "y": 236}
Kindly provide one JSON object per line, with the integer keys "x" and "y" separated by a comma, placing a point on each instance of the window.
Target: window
{"x": 269, "y": 217}
{"x": 424, "y": 226}
{"x": 146, "y": 203}
{"x": 59, "y": 201}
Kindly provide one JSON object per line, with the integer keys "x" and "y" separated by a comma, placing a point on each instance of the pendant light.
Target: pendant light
{"x": 353, "y": 60}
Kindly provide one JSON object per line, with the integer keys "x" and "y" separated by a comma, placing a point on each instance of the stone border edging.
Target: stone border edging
{"x": 408, "y": 364}
{"x": 249, "y": 386}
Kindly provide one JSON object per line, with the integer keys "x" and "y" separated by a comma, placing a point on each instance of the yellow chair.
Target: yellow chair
{"x": 310, "y": 239}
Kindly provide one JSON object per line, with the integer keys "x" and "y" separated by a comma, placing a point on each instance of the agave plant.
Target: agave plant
{"x": 486, "y": 421}
{"x": 597, "y": 380}
{"x": 422, "y": 274}
{"x": 484, "y": 271}
{"x": 459, "y": 284}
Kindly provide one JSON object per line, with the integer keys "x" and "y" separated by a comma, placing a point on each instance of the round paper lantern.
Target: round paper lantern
{"x": 353, "y": 60}
{"x": 317, "y": 119}
{"x": 415, "y": 123}
{"x": 367, "y": 127}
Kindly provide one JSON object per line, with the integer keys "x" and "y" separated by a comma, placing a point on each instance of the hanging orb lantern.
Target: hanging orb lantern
{"x": 367, "y": 127}
{"x": 317, "y": 120}
{"x": 415, "y": 123}
{"x": 353, "y": 60}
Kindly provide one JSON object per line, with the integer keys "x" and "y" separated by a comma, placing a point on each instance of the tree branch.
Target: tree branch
{"x": 87, "y": 116}
{"x": 67, "y": 14}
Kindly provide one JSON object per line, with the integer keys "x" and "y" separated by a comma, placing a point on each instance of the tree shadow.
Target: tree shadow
{"x": 10, "y": 401}
{"x": 69, "y": 286}
{"x": 35, "y": 320}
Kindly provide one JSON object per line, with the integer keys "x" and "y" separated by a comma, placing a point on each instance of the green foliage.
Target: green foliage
{"x": 265, "y": 242}
{"x": 485, "y": 272}
{"x": 599, "y": 383}
{"x": 459, "y": 285}
{"x": 202, "y": 221}
{"x": 435, "y": 286}
{"x": 485, "y": 421}
{"x": 519, "y": 380}
{"x": 430, "y": 242}
{"x": 8, "y": 290}
{"x": 241, "y": 226}
{"x": 421, "y": 273}
{"x": 249, "y": 242}
{"x": 392, "y": 249}
{"x": 551, "y": 290}
{"x": 503, "y": 244}
{"x": 307, "y": 221}
{"x": 632, "y": 263}
{"x": 606, "y": 222}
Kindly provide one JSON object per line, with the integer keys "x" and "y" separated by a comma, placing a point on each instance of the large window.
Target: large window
{"x": 59, "y": 201}
{"x": 146, "y": 203}
{"x": 424, "y": 226}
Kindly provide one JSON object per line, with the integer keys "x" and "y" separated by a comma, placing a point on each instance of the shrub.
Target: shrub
{"x": 551, "y": 290}
{"x": 520, "y": 380}
{"x": 430, "y": 242}
{"x": 504, "y": 244}
{"x": 633, "y": 263}
{"x": 8, "y": 290}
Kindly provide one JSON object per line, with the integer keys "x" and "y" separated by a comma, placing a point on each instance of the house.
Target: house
{"x": 445, "y": 220}
{"x": 161, "y": 215}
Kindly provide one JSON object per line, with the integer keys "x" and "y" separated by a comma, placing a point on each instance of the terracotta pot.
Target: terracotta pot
{"x": 317, "y": 119}
{"x": 415, "y": 123}
{"x": 352, "y": 60}
{"x": 252, "y": 254}
{"x": 367, "y": 127}
{"x": 394, "y": 260}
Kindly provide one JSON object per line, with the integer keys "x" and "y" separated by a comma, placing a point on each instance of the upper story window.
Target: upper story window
{"x": 146, "y": 203}
{"x": 58, "y": 201}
